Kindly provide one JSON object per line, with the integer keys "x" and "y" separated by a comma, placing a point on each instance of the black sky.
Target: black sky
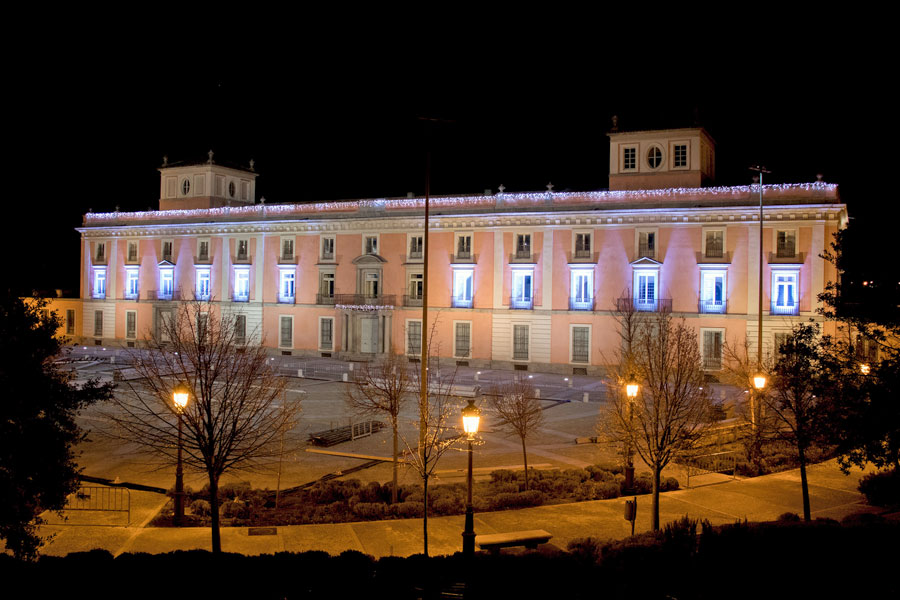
{"x": 334, "y": 115}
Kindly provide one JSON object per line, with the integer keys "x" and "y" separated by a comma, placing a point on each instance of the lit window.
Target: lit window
{"x": 582, "y": 289}
{"x": 166, "y": 283}
{"x": 286, "y": 286}
{"x": 242, "y": 284}
{"x": 645, "y": 289}
{"x": 462, "y": 287}
{"x": 785, "y": 292}
{"x": 520, "y": 342}
{"x": 131, "y": 283}
{"x": 712, "y": 291}
{"x": 581, "y": 343}
{"x": 100, "y": 283}
{"x": 521, "y": 289}
{"x": 203, "y": 284}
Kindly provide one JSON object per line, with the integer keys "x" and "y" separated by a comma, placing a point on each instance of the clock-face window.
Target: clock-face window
{"x": 186, "y": 187}
{"x": 231, "y": 189}
{"x": 654, "y": 157}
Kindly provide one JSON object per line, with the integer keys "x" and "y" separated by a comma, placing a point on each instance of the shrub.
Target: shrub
{"x": 608, "y": 489}
{"x": 881, "y": 488}
{"x": 373, "y": 492}
{"x": 518, "y": 500}
{"x": 233, "y": 489}
{"x": 586, "y": 549}
{"x": 504, "y": 487}
{"x": 234, "y": 509}
{"x": 789, "y": 517}
{"x": 408, "y": 510}
{"x": 668, "y": 484}
{"x": 502, "y": 475}
{"x": 200, "y": 508}
{"x": 370, "y": 510}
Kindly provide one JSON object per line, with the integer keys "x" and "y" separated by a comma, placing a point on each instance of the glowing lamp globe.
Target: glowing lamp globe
{"x": 180, "y": 396}
{"x": 864, "y": 369}
{"x": 631, "y": 389}
{"x": 759, "y": 381}
{"x": 471, "y": 416}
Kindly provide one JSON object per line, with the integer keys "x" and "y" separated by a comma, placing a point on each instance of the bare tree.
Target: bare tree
{"x": 238, "y": 412}
{"x": 520, "y": 412}
{"x": 665, "y": 419}
{"x": 381, "y": 389}
{"x": 438, "y": 426}
{"x": 739, "y": 369}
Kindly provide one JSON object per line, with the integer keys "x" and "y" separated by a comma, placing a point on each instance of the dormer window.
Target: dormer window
{"x": 185, "y": 186}
{"x": 679, "y": 156}
{"x": 629, "y": 158}
{"x": 654, "y": 157}
{"x": 231, "y": 189}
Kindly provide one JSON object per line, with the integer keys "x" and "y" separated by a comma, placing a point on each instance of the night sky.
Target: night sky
{"x": 93, "y": 118}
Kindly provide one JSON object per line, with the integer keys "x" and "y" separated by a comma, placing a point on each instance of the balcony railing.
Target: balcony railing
{"x": 714, "y": 250}
{"x": 464, "y": 255}
{"x": 582, "y": 253}
{"x": 415, "y": 254}
{"x": 163, "y": 295}
{"x": 461, "y": 301}
{"x": 646, "y": 250}
{"x": 712, "y": 363}
{"x": 521, "y": 303}
{"x": 412, "y": 300}
{"x": 786, "y": 309}
{"x": 324, "y": 298}
{"x": 363, "y": 299}
{"x": 521, "y": 254}
{"x": 712, "y": 306}
{"x": 644, "y": 305}
{"x": 581, "y": 304}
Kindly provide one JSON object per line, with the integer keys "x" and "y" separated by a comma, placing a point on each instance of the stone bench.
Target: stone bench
{"x": 495, "y": 541}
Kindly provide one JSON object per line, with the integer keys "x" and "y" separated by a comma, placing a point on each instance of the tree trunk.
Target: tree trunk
{"x": 804, "y": 485}
{"x": 655, "y": 509}
{"x": 425, "y": 516}
{"x": 394, "y": 468}
{"x": 214, "y": 513}
{"x": 525, "y": 460}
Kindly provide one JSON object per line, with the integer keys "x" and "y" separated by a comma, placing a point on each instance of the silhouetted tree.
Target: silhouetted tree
{"x": 238, "y": 414}
{"x": 519, "y": 411}
{"x": 37, "y": 422}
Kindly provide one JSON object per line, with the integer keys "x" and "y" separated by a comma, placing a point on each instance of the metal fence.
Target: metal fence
{"x": 103, "y": 499}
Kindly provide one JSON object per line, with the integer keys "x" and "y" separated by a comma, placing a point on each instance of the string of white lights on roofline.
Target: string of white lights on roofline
{"x": 473, "y": 202}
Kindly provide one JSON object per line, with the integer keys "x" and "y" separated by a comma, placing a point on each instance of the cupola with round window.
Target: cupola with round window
{"x": 654, "y": 157}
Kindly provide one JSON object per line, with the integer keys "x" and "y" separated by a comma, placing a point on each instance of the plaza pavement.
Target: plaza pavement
{"x": 715, "y": 497}
{"x": 719, "y": 499}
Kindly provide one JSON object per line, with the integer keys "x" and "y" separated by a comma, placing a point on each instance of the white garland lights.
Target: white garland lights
{"x": 494, "y": 201}
{"x": 364, "y": 307}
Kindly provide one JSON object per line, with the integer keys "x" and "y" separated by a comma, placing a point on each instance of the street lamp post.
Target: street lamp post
{"x": 631, "y": 390}
{"x": 471, "y": 416}
{"x": 180, "y": 396}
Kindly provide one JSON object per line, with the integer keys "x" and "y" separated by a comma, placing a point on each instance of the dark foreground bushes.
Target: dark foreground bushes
{"x": 881, "y": 488}
{"x": 686, "y": 560}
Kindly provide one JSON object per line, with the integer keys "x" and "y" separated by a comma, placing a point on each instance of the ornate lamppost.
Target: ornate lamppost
{"x": 471, "y": 416}
{"x": 180, "y": 396}
{"x": 631, "y": 390}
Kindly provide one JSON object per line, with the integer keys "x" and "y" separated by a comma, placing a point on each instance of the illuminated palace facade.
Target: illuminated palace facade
{"x": 516, "y": 280}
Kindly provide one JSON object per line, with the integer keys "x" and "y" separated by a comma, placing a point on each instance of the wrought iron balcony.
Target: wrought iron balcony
{"x": 712, "y": 363}
{"x": 163, "y": 295}
{"x": 714, "y": 250}
{"x": 581, "y": 304}
{"x": 364, "y": 299}
{"x": 415, "y": 254}
{"x": 324, "y": 298}
{"x": 582, "y": 253}
{"x": 464, "y": 255}
{"x": 461, "y": 301}
{"x": 521, "y": 303}
{"x": 712, "y": 306}
{"x": 412, "y": 300}
{"x": 792, "y": 308}
{"x": 644, "y": 305}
